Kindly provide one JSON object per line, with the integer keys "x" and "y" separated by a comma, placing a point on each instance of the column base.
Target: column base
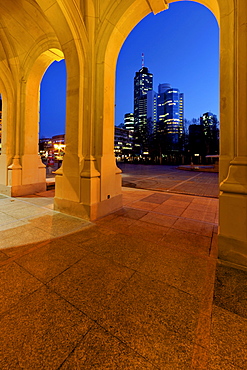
{"x": 232, "y": 240}
{"x": 20, "y": 190}
{"x": 88, "y": 212}
{"x": 233, "y": 216}
{"x": 232, "y": 252}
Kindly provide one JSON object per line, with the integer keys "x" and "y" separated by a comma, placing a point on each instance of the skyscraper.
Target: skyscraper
{"x": 170, "y": 109}
{"x": 143, "y": 82}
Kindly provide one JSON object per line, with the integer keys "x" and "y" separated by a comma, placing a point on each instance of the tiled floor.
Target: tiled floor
{"x": 32, "y": 219}
{"x": 134, "y": 290}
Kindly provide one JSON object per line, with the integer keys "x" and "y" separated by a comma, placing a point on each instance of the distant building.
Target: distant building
{"x": 58, "y": 139}
{"x": 196, "y": 139}
{"x": 130, "y": 127}
{"x": 45, "y": 146}
{"x": 171, "y": 109}
{"x": 123, "y": 144}
{"x": 54, "y": 147}
{"x": 158, "y": 117}
{"x": 170, "y": 112}
{"x": 209, "y": 123}
{"x": 143, "y": 82}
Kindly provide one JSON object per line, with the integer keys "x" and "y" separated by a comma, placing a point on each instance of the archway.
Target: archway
{"x": 52, "y": 118}
{"x": 121, "y": 21}
{"x": 33, "y": 177}
{"x": 178, "y": 58}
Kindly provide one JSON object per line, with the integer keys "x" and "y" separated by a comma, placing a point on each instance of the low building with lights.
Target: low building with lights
{"x": 52, "y": 147}
{"x": 123, "y": 144}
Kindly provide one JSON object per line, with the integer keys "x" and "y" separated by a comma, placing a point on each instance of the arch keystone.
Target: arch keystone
{"x": 157, "y": 5}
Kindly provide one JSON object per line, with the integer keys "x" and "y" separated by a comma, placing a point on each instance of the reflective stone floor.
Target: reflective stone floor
{"x": 137, "y": 289}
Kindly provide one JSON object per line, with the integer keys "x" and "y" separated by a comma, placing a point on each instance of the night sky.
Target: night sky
{"x": 181, "y": 47}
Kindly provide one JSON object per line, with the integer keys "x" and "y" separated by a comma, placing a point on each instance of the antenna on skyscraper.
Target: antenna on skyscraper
{"x": 142, "y": 60}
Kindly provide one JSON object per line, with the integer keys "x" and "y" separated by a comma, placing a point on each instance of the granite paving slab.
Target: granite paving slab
{"x": 40, "y": 332}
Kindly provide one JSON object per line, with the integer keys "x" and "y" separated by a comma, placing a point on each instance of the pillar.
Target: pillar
{"x": 88, "y": 185}
{"x": 22, "y": 171}
{"x": 233, "y": 162}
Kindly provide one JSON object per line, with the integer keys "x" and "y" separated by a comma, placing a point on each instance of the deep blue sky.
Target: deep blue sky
{"x": 53, "y": 100}
{"x": 181, "y": 47}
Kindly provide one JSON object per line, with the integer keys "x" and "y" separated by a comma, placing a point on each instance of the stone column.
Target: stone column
{"x": 233, "y": 166}
{"x": 22, "y": 171}
{"x": 86, "y": 184}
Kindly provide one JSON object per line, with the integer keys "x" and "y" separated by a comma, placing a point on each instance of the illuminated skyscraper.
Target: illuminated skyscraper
{"x": 143, "y": 82}
{"x": 170, "y": 112}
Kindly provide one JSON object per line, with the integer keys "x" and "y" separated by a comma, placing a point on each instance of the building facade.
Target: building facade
{"x": 152, "y": 111}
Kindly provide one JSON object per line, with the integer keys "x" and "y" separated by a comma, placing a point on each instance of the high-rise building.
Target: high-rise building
{"x": 170, "y": 112}
{"x": 158, "y": 117}
{"x": 143, "y": 82}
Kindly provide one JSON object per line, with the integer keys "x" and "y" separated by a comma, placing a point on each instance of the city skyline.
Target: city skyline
{"x": 182, "y": 50}
{"x": 188, "y": 59}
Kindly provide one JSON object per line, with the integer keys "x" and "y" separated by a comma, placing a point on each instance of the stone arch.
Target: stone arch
{"x": 57, "y": 25}
{"x": 118, "y": 21}
{"x": 33, "y": 171}
{"x": 75, "y": 35}
{"x": 69, "y": 27}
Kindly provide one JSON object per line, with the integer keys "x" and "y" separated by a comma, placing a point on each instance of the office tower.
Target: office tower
{"x": 143, "y": 82}
{"x": 170, "y": 109}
